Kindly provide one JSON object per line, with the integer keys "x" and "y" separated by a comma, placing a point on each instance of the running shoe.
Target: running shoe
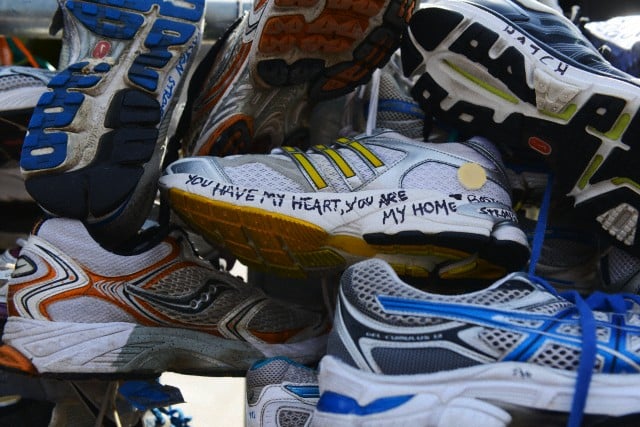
{"x": 97, "y": 138}
{"x": 20, "y": 89}
{"x": 98, "y": 313}
{"x": 619, "y": 271}
{"x": 255, "y": 88}
{"x": 618, "y": 40}
{"x": 401, "y": 356}
{"x": 524, "y": 76}
{"x": 281, "y": 393}
{"x": 425, "y": 207}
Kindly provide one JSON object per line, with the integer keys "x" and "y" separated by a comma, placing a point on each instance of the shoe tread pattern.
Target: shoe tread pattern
{"x": 358, "y": 35}
{"x": 132, "y": 117}
{"x": 600, "y": 114}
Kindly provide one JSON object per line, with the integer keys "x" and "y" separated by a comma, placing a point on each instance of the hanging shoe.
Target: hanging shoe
{"x": 524, "y": 76}
{"x": 255, "y": 88}
{"x": 97, "y": 138}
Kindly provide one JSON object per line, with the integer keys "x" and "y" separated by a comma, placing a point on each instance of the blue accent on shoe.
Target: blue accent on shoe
{"x": 304, "y": 391}
{"x": 263, "y": 362}
{"x": 144, "y": 395}
{"x": 398, "y": 106}
{"x": 61, "y": 99}
{"x": 108, "y": 21}
{"x": 340, "y": 404}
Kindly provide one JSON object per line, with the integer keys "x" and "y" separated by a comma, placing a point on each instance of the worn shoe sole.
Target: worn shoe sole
{"x": 485, "y": 76}
{"x": 336, "y": 45}
{"x": 466, "y": 396}
{"x": 256, "y": 93}
{"x": 95, "y": 142}
{"x": 123, "y": 350}
{"x": 306, "y": 235}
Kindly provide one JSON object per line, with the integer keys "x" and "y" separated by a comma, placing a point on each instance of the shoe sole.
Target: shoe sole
{"x": 287, "y": 244}
{"x": 335, "y": 48}
{"x": 483, "y": 75}
{"x": 95, "y": 139}
{"x": 127, "y": 350}
{"x": 459, "y": 396}
{"x": 297, "y": 52}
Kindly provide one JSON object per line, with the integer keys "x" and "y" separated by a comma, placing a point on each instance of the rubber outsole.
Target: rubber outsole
{"x": 337, "y": 50}
{"x": 293, "y": 53}
{"x": 482, "y": 74}
{"x": 290, "y": 247}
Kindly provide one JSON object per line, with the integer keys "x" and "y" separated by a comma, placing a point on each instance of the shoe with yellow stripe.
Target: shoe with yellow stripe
{"x": 426, "y": 208}
{"x": 524, "y": 76}
{"x": 76, "y": 310}
{"x": 255, "y": 88}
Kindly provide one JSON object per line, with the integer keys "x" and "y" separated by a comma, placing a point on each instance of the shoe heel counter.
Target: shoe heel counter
{"x": 35, "y": 268}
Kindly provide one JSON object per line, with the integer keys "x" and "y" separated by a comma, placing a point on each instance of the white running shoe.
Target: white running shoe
{"x": 164, "y": 309}
{"x": 441, "y": 209}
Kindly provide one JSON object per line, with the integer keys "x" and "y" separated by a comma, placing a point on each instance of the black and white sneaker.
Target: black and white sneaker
{"x": 524, "y": 76}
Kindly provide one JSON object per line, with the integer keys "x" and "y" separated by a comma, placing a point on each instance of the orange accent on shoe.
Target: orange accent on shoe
{"x": 259, "y": 4}
{"x": 357, "y": 71}
{"x": 12, "y": 359}
{"x": 297, "y": 3}
{"x": 234, "y": 143}
{"x": 216, "y": 91}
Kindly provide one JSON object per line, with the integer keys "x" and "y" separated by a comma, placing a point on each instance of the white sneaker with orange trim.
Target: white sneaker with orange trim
{"x": 78, "y": 310}
{"x": 424, "y": 207}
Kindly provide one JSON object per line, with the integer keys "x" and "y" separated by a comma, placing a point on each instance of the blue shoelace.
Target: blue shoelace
{"x": 175, "y": 415}
{"x": 585, "y": 316}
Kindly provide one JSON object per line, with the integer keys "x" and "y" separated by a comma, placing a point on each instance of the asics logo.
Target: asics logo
{"x": 192, "y": 303}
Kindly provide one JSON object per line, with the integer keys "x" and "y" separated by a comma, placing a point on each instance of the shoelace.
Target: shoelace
{"x": 175, "y": 415}
{"x": 585, "y": 316}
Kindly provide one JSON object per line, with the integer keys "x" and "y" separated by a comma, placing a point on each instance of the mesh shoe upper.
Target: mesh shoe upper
{"x": 64, "y": 278}
{"x": 420, "y": 204}
{"x": 280, "y": 393}
{"x": 393, "y": 346}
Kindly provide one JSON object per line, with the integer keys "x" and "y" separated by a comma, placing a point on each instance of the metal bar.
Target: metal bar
{"x": 30, "y": 19}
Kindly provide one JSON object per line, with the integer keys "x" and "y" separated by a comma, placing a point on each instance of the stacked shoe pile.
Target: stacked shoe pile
{"x": 407, "y": 193}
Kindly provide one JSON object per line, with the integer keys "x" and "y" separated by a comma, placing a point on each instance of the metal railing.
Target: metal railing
{"x": 30, "y": 19}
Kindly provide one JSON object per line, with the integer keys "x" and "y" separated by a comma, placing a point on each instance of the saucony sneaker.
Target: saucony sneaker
{"x": 524, "y": 76}
{"x": 99, "y": 313}
{"x": 281, "y": 393}
{"x": 426, "y": 208}
{"x": 96, "y": 140}
{"x": 402, "y": 356}
{"x": 254, "y": 90}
